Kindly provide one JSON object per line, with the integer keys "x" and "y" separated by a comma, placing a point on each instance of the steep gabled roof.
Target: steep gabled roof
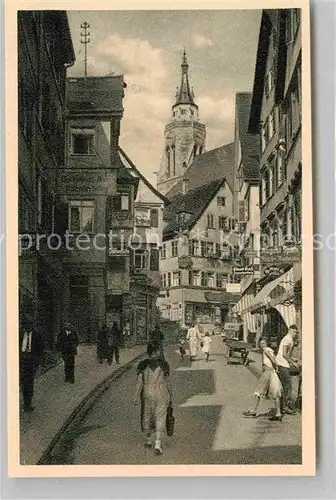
{"x": 194, "y": 203}
{"x": 95, "y": 95}
{"x": 207, "y": 167}
{"x": 250, "y": 145}
{"x": 128, "y": 164}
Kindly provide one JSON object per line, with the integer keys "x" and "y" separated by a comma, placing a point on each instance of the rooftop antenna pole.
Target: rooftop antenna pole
{"x": 85, "y": 38}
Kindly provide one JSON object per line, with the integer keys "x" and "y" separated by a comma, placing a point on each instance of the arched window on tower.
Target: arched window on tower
{"x": 173, "y": 160}
{"x": 200, "y": 150}
{"x": 168, "y": 160}
{"x": 195, "y": 149}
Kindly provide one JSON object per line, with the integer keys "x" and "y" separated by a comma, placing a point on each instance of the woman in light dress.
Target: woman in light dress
{"x": 269, "y": 385}
{"x": 206, "y": 346}
{"x": 153, "y": 389}
{"x": 194, "y": 338}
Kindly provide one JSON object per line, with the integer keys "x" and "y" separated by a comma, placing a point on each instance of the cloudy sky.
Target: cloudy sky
{"x": 147, "y": 46}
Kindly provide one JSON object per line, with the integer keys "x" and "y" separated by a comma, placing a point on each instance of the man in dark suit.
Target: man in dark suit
{"x": 113, "y": 338}
{"x": 67, "y": 345}
{"x": 31, "y": 353}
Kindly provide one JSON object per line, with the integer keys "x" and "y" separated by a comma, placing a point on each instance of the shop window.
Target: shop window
{"x": 82, "y": 142}
{"x": 81, "y": 216}
{"x": 175, "y": 248}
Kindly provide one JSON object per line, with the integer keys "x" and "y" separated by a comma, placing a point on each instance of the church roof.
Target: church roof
{"x": 207, "y": 167}
{"x": 249, "y": 143}
{"x": 194, "y": 202}
{"x": 184, "y": 94}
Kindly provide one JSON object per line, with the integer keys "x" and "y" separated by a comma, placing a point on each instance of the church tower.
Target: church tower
{"x": 184, "y": 134}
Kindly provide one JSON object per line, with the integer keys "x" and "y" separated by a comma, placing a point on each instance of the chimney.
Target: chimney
{"x": 184, "y": 186}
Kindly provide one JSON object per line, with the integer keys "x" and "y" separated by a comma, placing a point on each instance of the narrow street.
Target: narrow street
{"x": 209, "y": 399}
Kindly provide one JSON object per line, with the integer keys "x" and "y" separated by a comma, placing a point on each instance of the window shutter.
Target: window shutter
{"x": 154, "y": 217}
{"x": 241, "y": 211}
{"x": 154, "y": 259}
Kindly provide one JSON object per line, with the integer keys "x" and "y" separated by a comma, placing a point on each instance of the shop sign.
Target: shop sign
{"x": 250, "y": 253}
{"x": 243, "y": 270}
{"x": 280, "y": 256}
{"x": 81, "y": 181}
{"x": 273, "y": 271}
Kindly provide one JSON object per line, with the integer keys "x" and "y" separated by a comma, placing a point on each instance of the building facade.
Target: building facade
{"x": 276, "y": 115}
{"x": 197, "y": 255}
{"x": 247, "y": 210}
{"x": 45, "y": 50}
{"x": 184, "y": 135}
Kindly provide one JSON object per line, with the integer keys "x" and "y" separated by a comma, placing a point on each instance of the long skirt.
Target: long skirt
{"x": 193, "y": 345}
{"x": 269, "y": 385}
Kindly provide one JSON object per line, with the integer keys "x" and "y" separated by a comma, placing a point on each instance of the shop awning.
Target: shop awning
{"x": 247, "y": 317}
{"x": 269, "y": 293}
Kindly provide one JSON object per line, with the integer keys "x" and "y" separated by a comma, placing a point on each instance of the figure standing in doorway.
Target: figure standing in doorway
{"x": 113, "y": 343}
{"x": 31, "y": 354}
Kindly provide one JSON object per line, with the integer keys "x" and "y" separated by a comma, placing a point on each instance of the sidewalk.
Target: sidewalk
{"x": 55, "y": 401}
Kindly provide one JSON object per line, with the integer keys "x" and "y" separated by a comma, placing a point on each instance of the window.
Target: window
{"x": 81, "y": 216}
{"x": 142, "y": 218}
{"x": 164, "y": 251}
{"x": 175, "y": 248}
{"x": 121, "y": 201}
{"x": 210, "y": 221}
{"x": 263, "y": 136}
{"x": 211, "y": 280}
{"x": 203, "y": 248}
{"x": 154, "y": 217}
{"x": 193, "y": 247}
{"x": 271, "y": 125}
{"x": 270, "y": 180}
{"x": 279, "y": 168}
{"x": 242, "y": 211}
{"x": 221, "y": 201}
{"x": 174, "y": 160}
{"x": 82, "y": 141}
{"x": 183, "y": 111}
{"x": 164, "y": 280}
{"x": 267, "y": 185}
{"x": 221, "y": 280}
{"x": 225, "y": 252}
{"x": 194, "y": 278}
{"x": 154, "y": 259}
{"x": 168, "y": 279}
{"x": 223, "y": 223}
{"x": 209, "y": 248}
{"x": 168, "y": 160}
{"x": 203, "y": 279}
{"x": 176, "y": 279}
{"x": 140, "y": 259}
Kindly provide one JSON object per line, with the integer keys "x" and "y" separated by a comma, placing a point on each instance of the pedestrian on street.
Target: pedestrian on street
{"x": 269, "y": 385}
{"x": 206, "y": 346}
{"x": 193, "y": 337}
{"x": 286, "y": 366}
{"x": 113, "y": 343}
{"x": 154, "y": 391}
{"x": 182, "y": 349}
{"x": 31, "y": 354}
{"x": 102, "y": 343}
{"x": 67, "y": 345}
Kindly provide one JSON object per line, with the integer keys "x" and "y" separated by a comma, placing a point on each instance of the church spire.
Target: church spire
{"x": 184, "y": 94}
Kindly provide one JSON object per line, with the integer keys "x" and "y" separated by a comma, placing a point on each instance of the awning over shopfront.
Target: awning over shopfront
{"x": 247, "y": 317}
{"x": 271, "y": 293}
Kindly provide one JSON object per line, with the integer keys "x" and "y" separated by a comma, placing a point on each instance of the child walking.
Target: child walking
{"x": 206, "y": 346}
{"x": 153, "y": 388}
{"x": 269, "y": 385}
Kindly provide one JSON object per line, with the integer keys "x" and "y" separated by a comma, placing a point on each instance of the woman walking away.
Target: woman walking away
{"x": 193, "y": 337}
{"x": 206, "y": 346}
{"x": 153, "y": 386}
{"x": 269, "y": 385}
